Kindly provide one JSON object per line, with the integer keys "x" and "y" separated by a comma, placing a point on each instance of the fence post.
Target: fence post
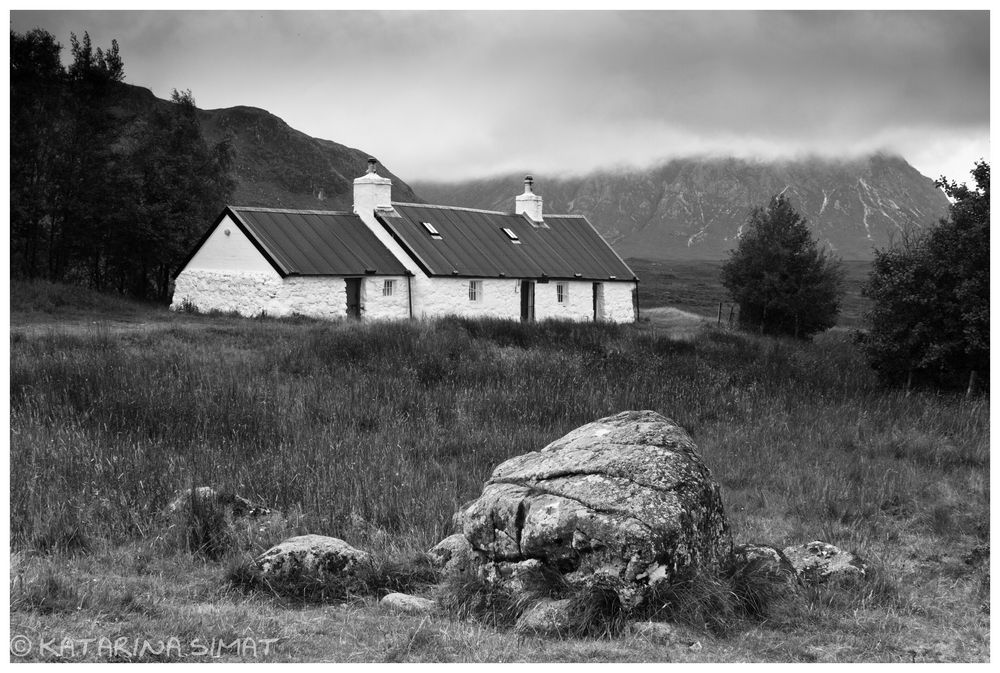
{"x": 719, "y": 321}
{"x": 731, "y": 308}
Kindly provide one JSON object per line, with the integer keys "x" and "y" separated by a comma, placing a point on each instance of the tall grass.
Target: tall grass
{"x": 385, "y": 429}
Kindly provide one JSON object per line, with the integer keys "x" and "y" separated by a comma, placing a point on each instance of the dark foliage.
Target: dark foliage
{"x": 929, "y": 323}
{"x": 101, "y": 197}
{"x": 781, "y": 280}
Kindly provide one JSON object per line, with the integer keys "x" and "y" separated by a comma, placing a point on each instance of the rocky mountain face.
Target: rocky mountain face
{"x": 274, "y": 165}
{"x": 696, "y": 208}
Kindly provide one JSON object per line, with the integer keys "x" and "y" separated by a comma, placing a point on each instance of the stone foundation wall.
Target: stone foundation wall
{"x": 248, "y": 294}
{"x": 251, "y": 294}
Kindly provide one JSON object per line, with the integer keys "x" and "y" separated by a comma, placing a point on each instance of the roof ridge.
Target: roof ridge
{"x": 469, "y": 210}
{"x": 261, "y": 209}
{"x": 481, "y": 210}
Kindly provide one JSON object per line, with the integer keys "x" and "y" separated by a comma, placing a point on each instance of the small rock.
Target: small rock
{"x": 696, "y": 646}
{"x": 978, "y": 555}
{"x": 546, "y": 617}
{"x": 407, "y": 604}
{"x": 764, "y": 560}
{"x": 454, "y": 557}
{"x": 311, "y": 557}
{"x": 232, "y": 504}
{"x": 656, "y": 631}
{"x": 818, "y": 561}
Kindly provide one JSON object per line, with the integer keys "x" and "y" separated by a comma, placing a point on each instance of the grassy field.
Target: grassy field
{"x": 376, "y": 433}
{"x": 695, "y": 286}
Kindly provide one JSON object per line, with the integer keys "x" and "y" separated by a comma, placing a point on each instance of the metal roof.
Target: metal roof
{"x": 316, "y": 242}
{"x": 472, "y": 243}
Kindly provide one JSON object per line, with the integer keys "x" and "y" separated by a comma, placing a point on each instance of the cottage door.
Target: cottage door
{"x": 353, "y": 297}
{"x": 527, "y": 301}
{"x": 598, "y": 302}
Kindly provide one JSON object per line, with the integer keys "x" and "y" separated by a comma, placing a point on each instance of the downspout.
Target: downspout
{"x": 637, "y": 300}
{"x": 409, "y": 292}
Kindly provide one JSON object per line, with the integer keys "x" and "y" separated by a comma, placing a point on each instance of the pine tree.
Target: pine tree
{"x": 781, "y": 280}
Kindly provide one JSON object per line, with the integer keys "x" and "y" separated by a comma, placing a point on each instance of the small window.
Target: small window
{"x": 511, "y": 235}
{"x": 562, "y": 293}
{"x": 431, "y": 230}
{"x": 475, "y": 290}
{"x": 388, "y": 287}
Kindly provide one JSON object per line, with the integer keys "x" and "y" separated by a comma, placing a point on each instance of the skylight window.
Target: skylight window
{"x": 431, "y": 230}
{"x": 511, "y": 235}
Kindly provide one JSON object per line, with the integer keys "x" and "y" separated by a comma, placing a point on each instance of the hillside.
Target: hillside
{"x": 686, "y": 209}
{"x": 275, "y": 165}
{"x": 695, "y": 208}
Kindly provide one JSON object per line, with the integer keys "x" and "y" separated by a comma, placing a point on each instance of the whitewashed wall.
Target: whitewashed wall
{"x": 225, "y": 252}
{"x": 579, "y": 303}
{"x": 433, "y": 297}
{"x": 618, "y": 306}
{"x": 248, "y": 294}
{"x": 377, "y": 307}
{"x": 313, "y": 296}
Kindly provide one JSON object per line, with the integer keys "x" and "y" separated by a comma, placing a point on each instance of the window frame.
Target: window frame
{"x": 562, "y": 293}
{"x": 475, "y": 290}
{"x": 388, "y": 287}
{"x": 431, "y": 230}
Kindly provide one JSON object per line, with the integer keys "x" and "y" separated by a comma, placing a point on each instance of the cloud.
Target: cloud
{"x": 440, "y": 95}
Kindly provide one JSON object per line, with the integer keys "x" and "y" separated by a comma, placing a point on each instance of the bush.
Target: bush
{"x": 929, "y": 322}
{"x": 782, "y": 282}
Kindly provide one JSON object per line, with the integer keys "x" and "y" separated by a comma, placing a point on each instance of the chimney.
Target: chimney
{"x": 529, "y": 203}
{"x": 371, "y": 190}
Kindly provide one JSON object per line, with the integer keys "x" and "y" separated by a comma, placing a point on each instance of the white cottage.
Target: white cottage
{"x": 404, "y": 260}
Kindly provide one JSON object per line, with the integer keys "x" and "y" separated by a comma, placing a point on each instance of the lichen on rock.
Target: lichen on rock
{"x": 816, "y": 562}
{"x": 311, "y": 557}
{"x": 625, "y": 501}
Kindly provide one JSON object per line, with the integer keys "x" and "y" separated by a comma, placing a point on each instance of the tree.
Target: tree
{"x": 783, "y": 283}
{"x": 177, "y": 182}
{"x": 929, "y": 321}
{"x": 103, "y": 194}
{"x": 37, "y": 132}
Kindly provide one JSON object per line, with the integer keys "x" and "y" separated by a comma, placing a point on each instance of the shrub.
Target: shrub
{"x": 929, "y": 321}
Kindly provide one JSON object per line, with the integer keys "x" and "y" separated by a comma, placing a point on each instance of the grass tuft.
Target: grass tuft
{"x": 383, "y": 576}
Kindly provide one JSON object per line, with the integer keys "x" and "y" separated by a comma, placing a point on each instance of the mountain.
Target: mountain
{"x": 275, "y": 165}
{"x": 696, "y": 208}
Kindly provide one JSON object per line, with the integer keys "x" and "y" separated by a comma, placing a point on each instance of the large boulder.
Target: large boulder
{"x": 311, "y": 558}
{"x": 625, "y": 501}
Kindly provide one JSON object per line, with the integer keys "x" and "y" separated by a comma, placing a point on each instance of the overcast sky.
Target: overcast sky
{"x": 451, "y": 95}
